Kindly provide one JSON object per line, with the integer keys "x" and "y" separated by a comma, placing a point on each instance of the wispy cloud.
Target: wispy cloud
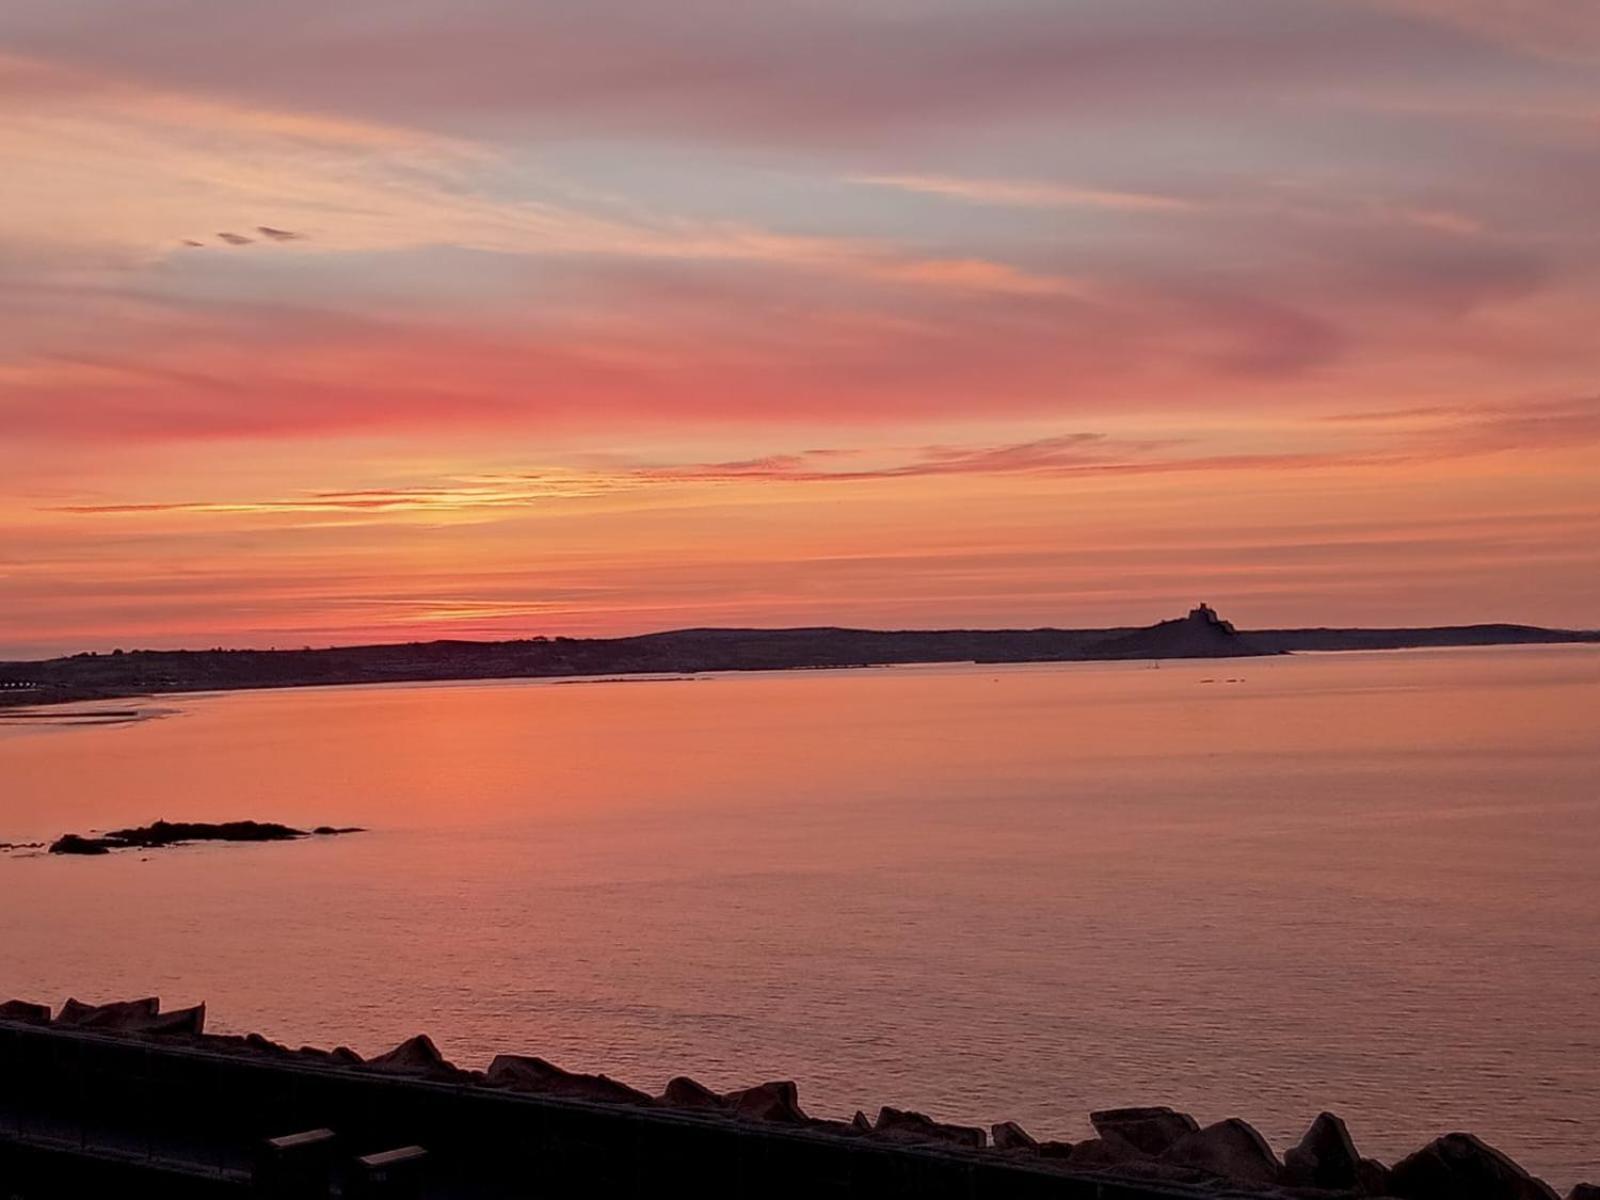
{"x": 175, "y": 159}
{"x": 1559, "y": 29}
{"x": 1391, "y": 439}
{"x": 1028, "y": 194}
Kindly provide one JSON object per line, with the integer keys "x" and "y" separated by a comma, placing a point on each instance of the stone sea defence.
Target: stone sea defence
{"x": 87, "y": 1086}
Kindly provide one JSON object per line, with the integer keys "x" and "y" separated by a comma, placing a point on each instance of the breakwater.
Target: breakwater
{"x": 124, "y": 1096}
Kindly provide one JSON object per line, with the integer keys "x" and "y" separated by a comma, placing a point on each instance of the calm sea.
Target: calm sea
{"x": 1362, "y": 882}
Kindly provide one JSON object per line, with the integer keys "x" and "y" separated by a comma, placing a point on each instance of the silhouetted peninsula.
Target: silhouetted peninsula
{"x": 1201, "y": 634}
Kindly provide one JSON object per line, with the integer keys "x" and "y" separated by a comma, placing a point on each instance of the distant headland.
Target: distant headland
{"x": 1200, "y": 634}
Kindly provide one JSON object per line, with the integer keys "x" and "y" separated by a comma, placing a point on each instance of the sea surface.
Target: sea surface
{"x": 1364, "y": 882}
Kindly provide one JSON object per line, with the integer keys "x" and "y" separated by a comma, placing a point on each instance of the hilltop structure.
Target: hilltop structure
{"x": 1201, "y": 634}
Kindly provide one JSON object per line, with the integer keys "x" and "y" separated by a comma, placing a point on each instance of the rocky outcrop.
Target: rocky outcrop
{"x": 1100, "y": 1153}
{"x": 683, "y": 1092}
{"x": 1372, "y": 1178}
{"x": 1150, "y": 1129}
{"x": 1201, "y": 634}
{"x": 339, "y": 1056}
{"x": 72, "y": 843}
{"x": 173, "y": 833}
{"x": 1153, "y": 1144}
{"x": 120, "y": 1016}
{"x": 1008, "y": 1135}
{"x": 904, "y": 1125}
{"x": 1231, "y": 1149}
{"x": 525, "y": 1073}
{"x": 25, "y": 1013}
{"x": 190, "y": 1021}
{"x": 419, "y": 1057}
{"x": 776, "y": 1101}
{"x": 1324, "y": 1158}
{"x": 1459, "y": 1166}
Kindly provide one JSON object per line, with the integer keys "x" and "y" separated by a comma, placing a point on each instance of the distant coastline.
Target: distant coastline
{"x": 83, "y": 678}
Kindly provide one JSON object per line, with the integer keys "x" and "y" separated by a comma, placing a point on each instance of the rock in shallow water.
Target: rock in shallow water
{"x": 72, "y": 843}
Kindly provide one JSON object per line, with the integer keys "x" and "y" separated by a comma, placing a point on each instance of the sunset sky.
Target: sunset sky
{"x": 395, "y": 319}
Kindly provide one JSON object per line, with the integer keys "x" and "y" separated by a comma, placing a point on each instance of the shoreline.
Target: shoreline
{"x": 681, "y": 656}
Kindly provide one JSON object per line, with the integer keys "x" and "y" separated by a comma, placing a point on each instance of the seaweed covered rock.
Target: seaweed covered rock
{"x": 525, "y": 1073}
{"x": 914, "y": 1126}
{"x": 1324, "y": 1158}
{"x": 1230, "y": 1149}
{"x": 1459, "y": 1166}
{"x": 25, "y": 1013}
{"x": 1151, "y": 1129}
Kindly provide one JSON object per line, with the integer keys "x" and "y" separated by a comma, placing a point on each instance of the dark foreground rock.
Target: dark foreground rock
{"x": 120, "y": 1015}
{"x": 778, "y": 1101}
{"x": 174, "y": 833}
{"x": 72, "y": 843}
{"x": 1231, "y": 1149}
{"x": 1150, "y": 1129}
{"x": 914, "y": 1126}
{"x": 1008, "y": 1135}
{"x": 418, "y": 1056}
{"x": 683, "y": 1092}
{"x": 25, "y": 1013}
{"x": 1459, "y": 1166}
{"x": 523, "y": 1073}
{"x": 1155, "y": 1147}
{"x": 1325, "y": 1157}
{"x": 1100, "y": 1153}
